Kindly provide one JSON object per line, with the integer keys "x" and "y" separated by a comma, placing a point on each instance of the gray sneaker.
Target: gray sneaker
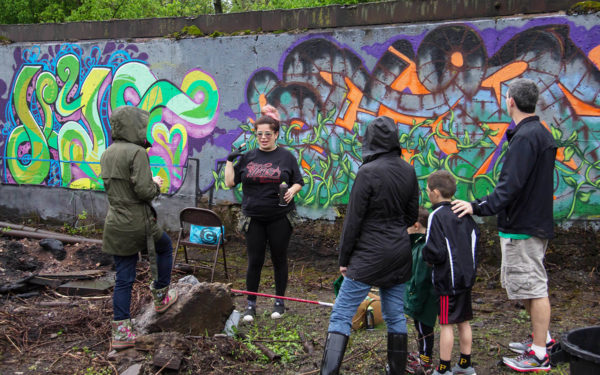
{"x": 521, "y": 347}
{"x": 457, "y": 370}
{"x": 528, "y": 362}
{"x": 525, "y": 345}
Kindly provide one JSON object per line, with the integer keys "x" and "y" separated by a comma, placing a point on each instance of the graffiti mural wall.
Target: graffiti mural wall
{"x": 444, "y": 85}
{"x": 59, "y": 102}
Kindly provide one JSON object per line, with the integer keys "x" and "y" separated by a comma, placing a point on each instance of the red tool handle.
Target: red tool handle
{"x": 282, "y": 297}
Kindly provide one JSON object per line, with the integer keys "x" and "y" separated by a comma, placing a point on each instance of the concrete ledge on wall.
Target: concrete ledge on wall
{"x": 391, "y": 12}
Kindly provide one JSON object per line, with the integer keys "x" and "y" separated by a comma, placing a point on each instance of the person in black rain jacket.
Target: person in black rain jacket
{"x": 375, "y": 247}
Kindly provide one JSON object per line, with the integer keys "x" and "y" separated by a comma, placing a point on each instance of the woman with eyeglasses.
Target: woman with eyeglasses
{"x": 266, "y": 218}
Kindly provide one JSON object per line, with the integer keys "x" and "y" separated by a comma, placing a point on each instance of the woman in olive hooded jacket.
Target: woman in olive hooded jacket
{"x": 130, "y": 224}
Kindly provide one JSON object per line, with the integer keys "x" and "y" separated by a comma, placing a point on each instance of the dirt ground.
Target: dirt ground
{"x": 43, "y": 332}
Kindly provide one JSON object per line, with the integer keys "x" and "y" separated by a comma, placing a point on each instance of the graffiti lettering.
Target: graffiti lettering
{"x": 58, "y": 126}
{"x": 447, "y": 101}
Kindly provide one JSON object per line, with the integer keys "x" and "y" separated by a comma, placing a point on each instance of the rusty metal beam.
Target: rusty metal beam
{"x": 41, "y": 235}
{"x": 5, "y": 224}
{"x": 390, "y": 12}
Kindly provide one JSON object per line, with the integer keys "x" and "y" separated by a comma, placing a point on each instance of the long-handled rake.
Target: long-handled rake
{"x": 282, "y": 297}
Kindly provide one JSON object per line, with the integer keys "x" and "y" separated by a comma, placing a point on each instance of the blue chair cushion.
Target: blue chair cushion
{"x": 206, "y": 235}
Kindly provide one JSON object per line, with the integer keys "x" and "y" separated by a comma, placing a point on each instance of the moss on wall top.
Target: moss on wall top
{"x": 585, "y": 7}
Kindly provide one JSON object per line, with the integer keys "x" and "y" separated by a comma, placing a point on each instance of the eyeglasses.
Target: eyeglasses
{"x": 264, "y": 134}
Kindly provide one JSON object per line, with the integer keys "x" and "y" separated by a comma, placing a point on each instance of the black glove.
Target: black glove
{"x": 231, "y": 157}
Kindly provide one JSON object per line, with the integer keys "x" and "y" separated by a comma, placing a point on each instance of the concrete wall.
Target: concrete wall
{"x": 442, "y": 82}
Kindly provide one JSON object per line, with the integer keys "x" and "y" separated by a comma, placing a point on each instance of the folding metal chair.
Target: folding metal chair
{"x": 203, "y": 228}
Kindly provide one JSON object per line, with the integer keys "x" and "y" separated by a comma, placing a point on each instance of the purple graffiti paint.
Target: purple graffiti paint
{"x": 494, "y": 39}
{"x": 131, "y": 96}
{"x": 242, "y": 113}
{"x": 378, "y": 49}
{"x": 227, "y": 139}
{"x": 3, "y": 99}
{"x": 327, "y": 36}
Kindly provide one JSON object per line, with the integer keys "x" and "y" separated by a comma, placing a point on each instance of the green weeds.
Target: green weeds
{"x": 83, "y": 226}
{"x": 281, "y": 337}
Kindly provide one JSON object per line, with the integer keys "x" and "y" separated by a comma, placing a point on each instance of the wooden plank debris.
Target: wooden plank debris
{"x": 45, "y": 281}
{"x": 86, "y": 288}
{"x": 15, "y": 230}
{"x": 21, "y": 285}
{"x": 83, "y": 274}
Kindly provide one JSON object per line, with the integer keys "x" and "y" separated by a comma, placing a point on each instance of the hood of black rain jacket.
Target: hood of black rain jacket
{"x": 381, "y": 137}
{"x": 129, "y": 124}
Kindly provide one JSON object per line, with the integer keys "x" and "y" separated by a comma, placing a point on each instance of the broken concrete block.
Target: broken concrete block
{"x": 201, "y": 309}
{"x": 167, "y": 348}
{"x": 167, "y": 357}
{"x": 133, "y": 370}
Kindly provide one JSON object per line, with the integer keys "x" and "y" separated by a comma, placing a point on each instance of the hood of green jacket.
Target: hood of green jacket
{"x": 129, "y": 124}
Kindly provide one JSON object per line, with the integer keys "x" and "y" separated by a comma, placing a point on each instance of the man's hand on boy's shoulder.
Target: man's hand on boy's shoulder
{"x": 462, "y": 208}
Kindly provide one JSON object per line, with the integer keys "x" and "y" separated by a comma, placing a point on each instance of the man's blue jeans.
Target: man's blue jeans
{"x": 353, "y": 292}
{"x": 125, "y": 267}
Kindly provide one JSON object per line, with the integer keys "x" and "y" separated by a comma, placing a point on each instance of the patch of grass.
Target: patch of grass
{"x": 96, "y": 371}
{"x": 83, "y": 226}
{"x": 522, "y": 317}
{"x": 279, "y": 336}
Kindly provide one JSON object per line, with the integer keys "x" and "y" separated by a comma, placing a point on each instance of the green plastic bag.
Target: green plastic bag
{"x": 337, "y": 284}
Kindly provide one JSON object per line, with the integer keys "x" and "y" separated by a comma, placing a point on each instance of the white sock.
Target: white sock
{"x": 548, "y": 337}
{"x": 540, "y": 352}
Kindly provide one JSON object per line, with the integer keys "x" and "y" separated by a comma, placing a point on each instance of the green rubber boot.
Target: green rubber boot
{"x": 163, "y": 298}
{"x": 122, "y": 334}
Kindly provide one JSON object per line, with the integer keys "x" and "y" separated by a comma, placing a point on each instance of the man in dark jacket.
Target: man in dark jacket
{"x": 375, "y": 248}
{"x": 130, "y": 224}
{"x": 523, "y": 201}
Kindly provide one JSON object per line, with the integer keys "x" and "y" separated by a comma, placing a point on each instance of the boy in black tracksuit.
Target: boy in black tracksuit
{"x": 450, "y": 246}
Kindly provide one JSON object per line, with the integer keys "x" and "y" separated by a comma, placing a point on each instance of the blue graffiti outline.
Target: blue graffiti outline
{"x": 34, "y": 57}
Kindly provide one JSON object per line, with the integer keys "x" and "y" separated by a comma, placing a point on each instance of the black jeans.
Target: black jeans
{"x": 277, "y": 234}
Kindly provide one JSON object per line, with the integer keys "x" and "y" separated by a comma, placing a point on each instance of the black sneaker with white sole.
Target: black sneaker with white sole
{"x": 249, "y": 314}
{"x": 278, "y": 310}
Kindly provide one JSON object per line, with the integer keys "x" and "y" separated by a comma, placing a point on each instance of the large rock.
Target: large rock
{"x": 201, "y": 309}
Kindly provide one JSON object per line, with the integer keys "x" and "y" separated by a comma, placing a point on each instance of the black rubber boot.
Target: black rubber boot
{"x": 334, "y": 353}
{"x": 397, "y": 345}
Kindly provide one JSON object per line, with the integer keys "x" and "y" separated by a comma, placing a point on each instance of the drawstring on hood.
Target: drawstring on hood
{"x": 381, "y": 137}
